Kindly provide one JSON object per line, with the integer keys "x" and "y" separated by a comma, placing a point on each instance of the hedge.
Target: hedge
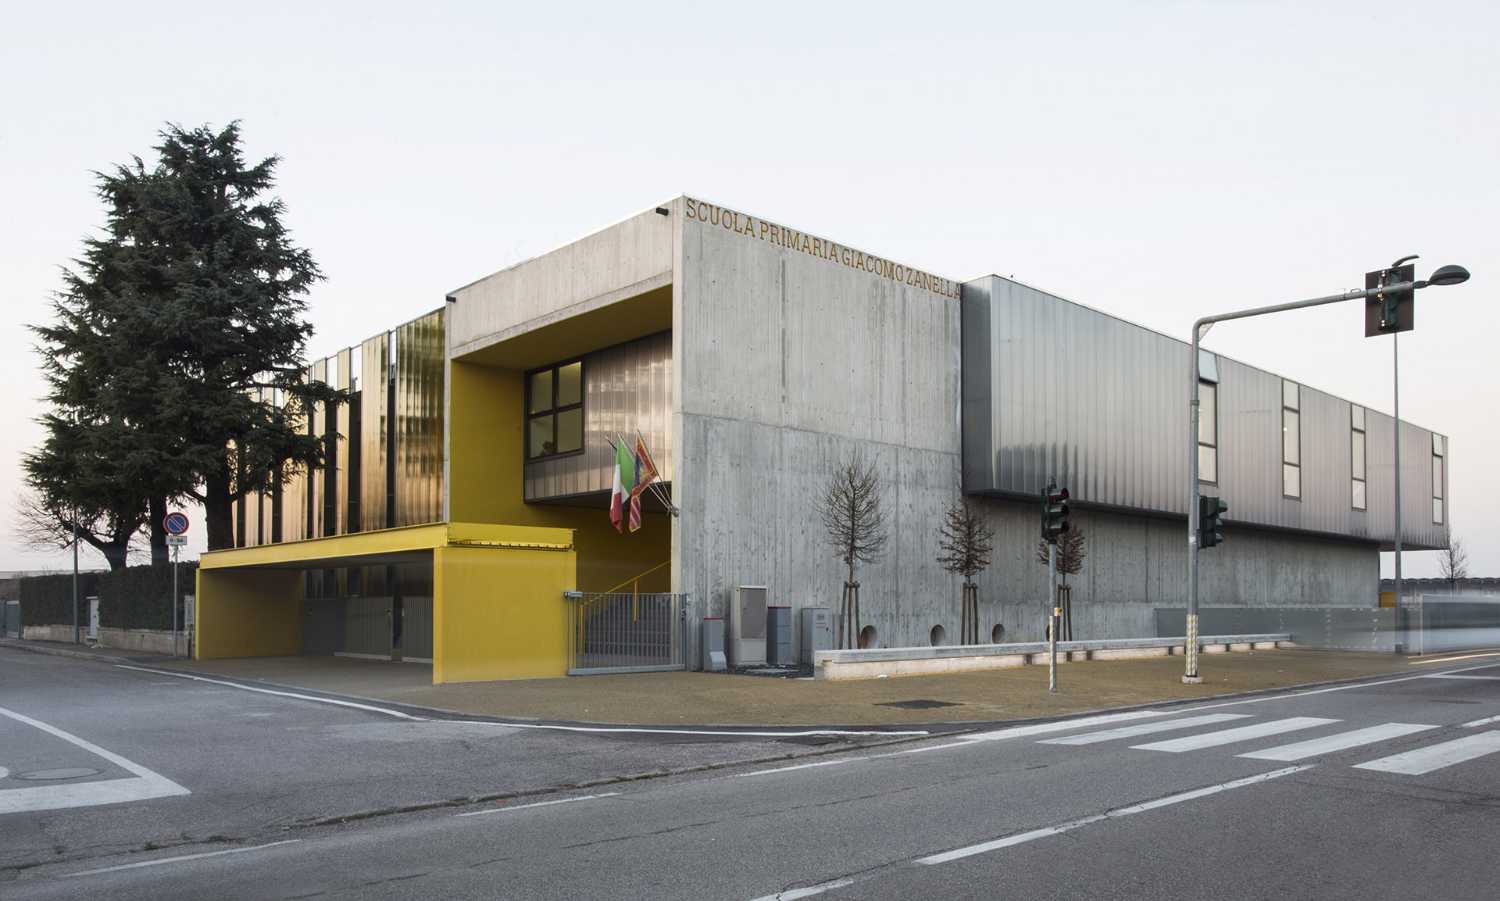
{"x": 137, "y": 597}
{"x": 48, "y": 600}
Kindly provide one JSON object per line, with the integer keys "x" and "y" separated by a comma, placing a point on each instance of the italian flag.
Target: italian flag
{"x": 624, "y": 485}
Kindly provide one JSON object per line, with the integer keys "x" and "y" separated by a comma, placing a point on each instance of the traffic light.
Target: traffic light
{"x": 1054, "y": 512}
{"x": 1211, "y": 511}
{"x": 1390, "y": 311}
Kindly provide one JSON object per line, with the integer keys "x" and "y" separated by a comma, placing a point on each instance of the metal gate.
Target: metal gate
{"x": 625, "y": 632}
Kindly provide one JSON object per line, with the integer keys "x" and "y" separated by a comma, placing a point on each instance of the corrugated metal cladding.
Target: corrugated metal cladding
{"x": 1054, "y": 388}
{"x": 627, "y": 389}
{"x": 361, "y": 457}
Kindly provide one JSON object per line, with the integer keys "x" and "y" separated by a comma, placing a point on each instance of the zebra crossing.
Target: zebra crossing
{"x": 1414, "y": 762}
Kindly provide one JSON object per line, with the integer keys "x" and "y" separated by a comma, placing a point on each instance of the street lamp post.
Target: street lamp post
{"x": 1446, "y": 275}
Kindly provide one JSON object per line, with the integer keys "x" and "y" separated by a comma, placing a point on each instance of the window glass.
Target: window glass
{"x": 1290, "y": 395}
{"x": 540, "y": 442}
{"x": 1357, "y": 455}
{"x": 1291, "y": 438}
{"x": 570, "y": 430}
{"x": 540, "y": 391}
{"x": 1437, "y": 476}
{"x": 1208, "y": 463}
{"x": 1437, "y": 445}
{"x": 570, "y": 384}
{"x": 1359, "y": 494}
{"x": 1291, "y": 480}
{"x": 1208, "y": 413}
{"x": 356, "y": 367}
{"x": 1357, "y": 417}
{"x": 1437, "y": 510}
{"x": 333, "y": 372}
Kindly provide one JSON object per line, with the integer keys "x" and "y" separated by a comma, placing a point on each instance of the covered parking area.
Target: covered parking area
{"x": 497, "y": 608}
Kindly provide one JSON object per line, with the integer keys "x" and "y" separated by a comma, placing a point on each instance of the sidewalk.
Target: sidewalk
{"x": 684, "y": 698}
{"x": 83, "y": 651}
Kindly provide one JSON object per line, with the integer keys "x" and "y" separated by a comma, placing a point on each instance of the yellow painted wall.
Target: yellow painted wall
{"x": 486, "y": 435}
{"x": 248, "y": 613}
{"x": 499, "y": 613}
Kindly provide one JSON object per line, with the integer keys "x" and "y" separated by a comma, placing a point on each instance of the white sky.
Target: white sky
{"x": 1156, "y": 160}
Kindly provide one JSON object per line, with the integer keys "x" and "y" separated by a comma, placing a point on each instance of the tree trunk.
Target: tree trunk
{"x": 157, "y": 512}
{"x": 218, "y": 508}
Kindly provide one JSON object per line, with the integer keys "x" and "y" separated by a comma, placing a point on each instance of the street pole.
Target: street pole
{"x": 1396, "y": 403}
{"x": 76, "y": 638}
{"x": 1052, "y": 614}
{"x": 1191, "y": 674}
{"x": 174, "y": 601}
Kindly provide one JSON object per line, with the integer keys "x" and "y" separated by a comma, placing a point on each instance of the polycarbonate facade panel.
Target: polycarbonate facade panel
{"x": 420, "y": 349}
{"x": 374, "y": 434}
{"x": 627, "y": 389}
{"x": 1052, "y": 388}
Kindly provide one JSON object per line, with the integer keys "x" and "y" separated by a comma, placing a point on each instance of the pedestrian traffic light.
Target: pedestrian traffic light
{"x": 1211, "y": 511}
{"x": 1054, "y": 512}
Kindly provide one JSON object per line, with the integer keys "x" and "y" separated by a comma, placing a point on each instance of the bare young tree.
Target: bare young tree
{"x": 1071, "y": 551}
{"x": 965, "y": 542}
{"x": 855, "y": 527}
{"x": 1453, "y": 562}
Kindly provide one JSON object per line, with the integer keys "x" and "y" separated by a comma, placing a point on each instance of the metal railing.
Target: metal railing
{"x": 615, "y": 632}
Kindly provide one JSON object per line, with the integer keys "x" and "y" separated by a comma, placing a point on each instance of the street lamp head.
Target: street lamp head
{"x": 1449, "y": 275}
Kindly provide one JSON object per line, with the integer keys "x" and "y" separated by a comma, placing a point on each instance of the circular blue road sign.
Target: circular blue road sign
{"x": 175, "y": 523}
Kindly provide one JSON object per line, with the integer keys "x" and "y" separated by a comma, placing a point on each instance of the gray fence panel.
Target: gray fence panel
{"x": 624, "y": 632}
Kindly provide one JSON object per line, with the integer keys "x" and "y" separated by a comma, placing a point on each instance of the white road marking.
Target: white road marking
{"x": 163, "y": 860}
{"x": 1033, "y": 835}
{"x": 922, "y": 750}
{"x": 1064, "y": 725}
{"x": 1327, "y": 745}
{"x": 1089, "y": 738}
{"x": 1483, "y": 721}
{"x": 1461, "y": 676}
{"x": 480, "y": 813}
{"x": 144, "y": 786}
{"x": 1451, "y": 659}
{"x": 800, "y": 766}
{"x": 630, "y": 730}
{"x": 792, "y": 894}
{"x": 4, "y": 772}
{"x": 1436, "y": 757}
{"x": 1229, "y": 736}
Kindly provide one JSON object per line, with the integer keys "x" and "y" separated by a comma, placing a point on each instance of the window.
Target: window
{"x": 1439, "y": 470}
{"x": 554, "y": 411}
{"x": 1208, "y": 432}
{"x": 1357, "y": 456}
{"x": 1291, "y": 439}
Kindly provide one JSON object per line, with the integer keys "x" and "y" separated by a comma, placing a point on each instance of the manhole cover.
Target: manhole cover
{"x": 917, "y": 704}
{"x": 73, "y": 772}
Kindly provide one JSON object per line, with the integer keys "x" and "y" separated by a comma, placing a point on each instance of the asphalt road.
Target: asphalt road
{"x": 1383, "y": 790}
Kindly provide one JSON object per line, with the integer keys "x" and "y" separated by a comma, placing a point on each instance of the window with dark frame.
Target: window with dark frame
{"x": 1208, "y": 432}
{"x": 1357, "y": 457}
{"x": 1291, "y": 440}
{"x": 554, "y": 411}
{"x": 1439, "y": 457}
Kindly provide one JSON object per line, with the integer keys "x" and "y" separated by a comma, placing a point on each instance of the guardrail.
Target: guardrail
{"x": 869, "y": 664}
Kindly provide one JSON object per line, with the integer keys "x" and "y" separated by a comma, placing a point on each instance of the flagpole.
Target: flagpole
{"x": 661, "y": 493}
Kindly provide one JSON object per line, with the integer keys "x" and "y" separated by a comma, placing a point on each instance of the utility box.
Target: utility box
{"x": 713, "y": 645}
{"x": 747, "y": 626}
{"x": 817, "y": 632}
{"x": 779, "y": 636}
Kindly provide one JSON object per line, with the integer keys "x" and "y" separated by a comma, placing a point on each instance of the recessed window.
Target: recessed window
{"x": 1208, "y": 432}
{"x": 1439, "y": 472}
{"x": 1357, "y": 456}
{"x": 1291, "y": 439}
{"x": 554, "y": 411}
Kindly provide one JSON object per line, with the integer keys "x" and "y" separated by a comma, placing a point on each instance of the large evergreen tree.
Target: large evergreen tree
{"x": 176, "y": 318}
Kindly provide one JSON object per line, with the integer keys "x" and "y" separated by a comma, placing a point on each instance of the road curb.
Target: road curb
{"x": 20, "y": 645}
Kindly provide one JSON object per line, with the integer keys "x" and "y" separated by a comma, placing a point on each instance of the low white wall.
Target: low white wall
{"x": 149, "y": 641}
{"x": 851, "y": 665}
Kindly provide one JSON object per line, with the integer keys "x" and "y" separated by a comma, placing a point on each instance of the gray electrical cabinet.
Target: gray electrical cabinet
{"x": 713, "y": 645}
{"x": 747, "y": 626}
{"x": 779, "y": 636}
{"x": 817, "y": 633}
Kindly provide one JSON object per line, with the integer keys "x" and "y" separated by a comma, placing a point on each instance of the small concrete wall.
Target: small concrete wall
{"x": 150, "y": 641}
{"x": 849, "y": 665}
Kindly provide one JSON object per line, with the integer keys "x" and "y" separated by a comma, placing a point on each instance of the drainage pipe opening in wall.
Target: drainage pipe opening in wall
{"x": 867, "y": 637}
{"x": 937, "y": 635}
{"x": 997, "y": 634}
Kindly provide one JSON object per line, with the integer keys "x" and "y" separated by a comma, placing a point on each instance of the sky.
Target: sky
{"x": 1160, "y": 161}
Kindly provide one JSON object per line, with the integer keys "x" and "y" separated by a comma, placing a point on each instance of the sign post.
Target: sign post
{"x": 176, "y": 526}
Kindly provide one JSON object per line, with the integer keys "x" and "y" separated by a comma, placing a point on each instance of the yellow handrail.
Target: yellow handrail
{"x": 638, "y": 577}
